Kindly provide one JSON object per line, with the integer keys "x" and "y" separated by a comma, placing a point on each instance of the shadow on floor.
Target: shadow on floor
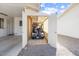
{"x": 38, "y": 50}
{"x": 72, "y": 44}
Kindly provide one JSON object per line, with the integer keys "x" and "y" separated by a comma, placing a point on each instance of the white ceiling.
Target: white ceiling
{"x": 15, "y": 9}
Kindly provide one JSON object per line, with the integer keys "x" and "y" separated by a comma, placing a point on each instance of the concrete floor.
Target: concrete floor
{"x": 63, "y": 51}
{"x": 38, "y": 48}
{"x": 10, "y": 45}
{"x": 37, "y": 41}
{"x": 67, "y": 46}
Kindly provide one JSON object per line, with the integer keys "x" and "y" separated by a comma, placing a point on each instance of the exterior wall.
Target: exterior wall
{"x": 3, "y": 31}
{"x": 29, "y": 27}
{"x": 8, "y": 26}
{"x": 52, "y": 28}
{"x": 68, "y": 24}
{"x": 17, "y": 27}
{"x": 46, "y": 26}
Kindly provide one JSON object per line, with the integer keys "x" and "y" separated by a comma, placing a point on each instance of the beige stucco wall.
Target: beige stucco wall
{"x": 17, "y": 27}
{"x": 68, "y": 23}
{"x": 3, "y": 31}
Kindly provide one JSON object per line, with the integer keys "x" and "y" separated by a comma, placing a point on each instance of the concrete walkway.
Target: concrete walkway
{"x": 10, "y": 45}
{"x": 67, "y": 46}
{"x": 63, "y": 51}
{"x": 37, "y": 41}
{"x": 38, "y": 48}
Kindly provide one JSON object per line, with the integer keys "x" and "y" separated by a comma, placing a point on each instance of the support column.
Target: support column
{"x": 24, "y": 30}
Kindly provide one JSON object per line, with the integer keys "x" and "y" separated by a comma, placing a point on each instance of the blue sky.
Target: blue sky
{"x": 57, "y": 8}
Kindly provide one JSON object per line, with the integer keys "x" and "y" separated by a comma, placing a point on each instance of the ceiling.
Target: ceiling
{"x": 15, "y": 9}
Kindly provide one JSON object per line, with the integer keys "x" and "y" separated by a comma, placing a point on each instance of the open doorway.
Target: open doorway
{"x": 37, "y": 29}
